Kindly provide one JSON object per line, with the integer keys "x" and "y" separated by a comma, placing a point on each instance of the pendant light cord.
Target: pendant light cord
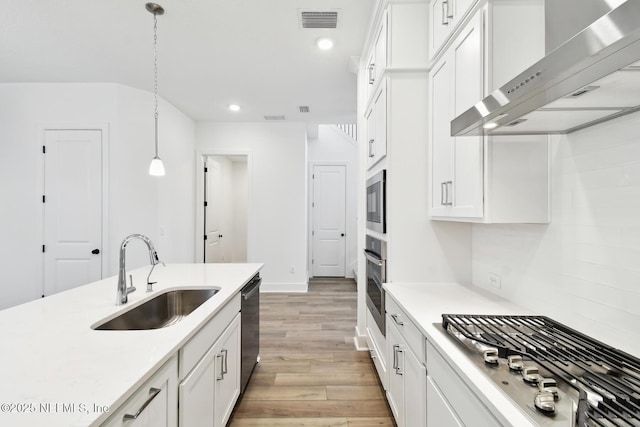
{"x": 155, "y": 72}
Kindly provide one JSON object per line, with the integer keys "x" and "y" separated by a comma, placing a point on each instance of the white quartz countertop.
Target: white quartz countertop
{"x": 50, "y": 355}
{"x": 425, "y": 303}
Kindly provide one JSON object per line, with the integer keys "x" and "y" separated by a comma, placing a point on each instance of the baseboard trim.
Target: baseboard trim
{"x": 360, "y": 341}
{"x": 284, "y": 287}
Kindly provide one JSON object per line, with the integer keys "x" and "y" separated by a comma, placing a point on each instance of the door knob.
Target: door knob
{"x": 95, "y": 251}
{"x": 220, "y": 236}
{"x": 341, "y": 234}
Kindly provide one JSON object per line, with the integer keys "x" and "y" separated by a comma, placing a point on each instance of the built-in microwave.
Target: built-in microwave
{"x": 376, "y": 208}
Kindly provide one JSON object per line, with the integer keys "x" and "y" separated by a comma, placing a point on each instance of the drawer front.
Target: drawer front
{"x": 193, "y": 351}
{"x": 154, "y": 404}
{"x": 408, "y": 330}
{"x": 465, "y": 405}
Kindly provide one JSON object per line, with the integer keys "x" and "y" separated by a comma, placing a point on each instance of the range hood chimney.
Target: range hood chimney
{"x": 592, "y": 77}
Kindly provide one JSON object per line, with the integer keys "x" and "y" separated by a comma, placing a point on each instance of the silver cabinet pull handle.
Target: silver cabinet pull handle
{"x": 398, "y": 369}
{"x": 395, "y": 357}
{"x": 225, "y": 369}
{"x": 442, "y": 190}
{"x": 372, "y": 77}
{"x": 449, "y": 9}
{"x": 371, "y": 148}
{"x": 445, "y": 12}
{"x": 221, "y": 374}
{"x": 153, "y": 392}
{"x": 449, "y": 193}
{"x": 395, "y": 319}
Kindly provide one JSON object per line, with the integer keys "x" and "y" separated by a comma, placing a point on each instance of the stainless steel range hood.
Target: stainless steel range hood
{"x": 591, "y": 78}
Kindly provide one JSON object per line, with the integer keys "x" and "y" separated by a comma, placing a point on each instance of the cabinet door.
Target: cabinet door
{"x": 457, "y": 10}
{"x": 415, "y": 390}
{"x": 155, "y": 404}
{"x": 380, "y": 107}
{"x": 380, "y": 49}
{"x": 467, "y": 197}
{"x": 395, "y": 387}
{"x": 227, "y": 372}
{"x": 440, "y": 24}
{"x": 197, "y": 393}
{"x": 438, "y": 412}
{"x": 440, "y": 81}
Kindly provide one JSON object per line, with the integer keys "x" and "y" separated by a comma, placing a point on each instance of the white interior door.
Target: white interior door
{"x": 72, "y": 209}
{"x": 213, "y": 177}
{"x": 329, "y": 212}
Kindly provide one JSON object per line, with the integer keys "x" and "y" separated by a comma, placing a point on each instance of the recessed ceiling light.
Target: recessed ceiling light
{"x": 234, "y": 107}
{"x": 324, "y": 43}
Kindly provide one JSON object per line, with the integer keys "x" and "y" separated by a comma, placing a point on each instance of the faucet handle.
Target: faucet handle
{"x": 131, "y": 288}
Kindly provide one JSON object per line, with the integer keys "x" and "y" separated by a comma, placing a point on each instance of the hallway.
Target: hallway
{"x": 310, "y": 373}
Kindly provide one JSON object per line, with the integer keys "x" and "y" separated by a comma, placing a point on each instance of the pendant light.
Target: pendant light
{"x": 156, "y": 168}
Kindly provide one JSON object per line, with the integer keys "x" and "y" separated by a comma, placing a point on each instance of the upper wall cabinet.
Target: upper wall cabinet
{"x": 445, "y": 16}
{"x": 476, "y": 178}
{"x": 397, "y": 46}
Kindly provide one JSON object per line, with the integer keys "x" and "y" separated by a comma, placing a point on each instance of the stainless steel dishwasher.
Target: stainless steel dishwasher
{"x": 250, "y": 329}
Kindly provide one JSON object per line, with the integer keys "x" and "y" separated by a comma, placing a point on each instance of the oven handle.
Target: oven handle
{"x": 377, "y": 261}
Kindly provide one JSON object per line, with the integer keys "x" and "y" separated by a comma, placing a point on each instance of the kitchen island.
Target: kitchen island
{"x": 58, "y": 371}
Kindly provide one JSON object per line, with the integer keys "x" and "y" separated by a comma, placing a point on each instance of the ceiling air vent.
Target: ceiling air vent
{"x": 304, "y": 108}
{"x": 318, "y": 18}
{"x": 274, "y": 117}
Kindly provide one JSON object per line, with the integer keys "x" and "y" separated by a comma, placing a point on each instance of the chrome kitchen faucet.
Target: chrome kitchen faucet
{"x": 123, "y": 290}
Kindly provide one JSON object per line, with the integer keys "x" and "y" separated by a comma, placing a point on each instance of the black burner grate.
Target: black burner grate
{"x": 607, "y": 379}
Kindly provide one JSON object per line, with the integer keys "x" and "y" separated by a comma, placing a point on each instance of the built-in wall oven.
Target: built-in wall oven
{"x": 376, "y": 204}
{"x": 376, "y": 255}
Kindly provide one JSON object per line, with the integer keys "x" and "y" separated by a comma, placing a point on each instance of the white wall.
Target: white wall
{"x": 134, "y": 198}
{"x": 277, "y": 224}
{"x": 333, "y": 146}
{"x": 583, "y": 269}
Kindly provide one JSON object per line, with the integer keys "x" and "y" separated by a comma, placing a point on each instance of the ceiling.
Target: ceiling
{"x": 211, "y": 53}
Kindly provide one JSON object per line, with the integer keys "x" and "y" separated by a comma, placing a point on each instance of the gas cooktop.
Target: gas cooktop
{"x": 555, "y": 374}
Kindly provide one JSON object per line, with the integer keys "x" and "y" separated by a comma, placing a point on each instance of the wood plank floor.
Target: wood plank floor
{"x": 310, "y": 373}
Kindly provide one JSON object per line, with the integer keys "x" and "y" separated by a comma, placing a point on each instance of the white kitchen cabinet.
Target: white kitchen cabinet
{"x": 456, "y": 84}
{"x": 406, "y": 391}
{"x": 377, "y": 60}
{"x": 210, "y": 370}
{"x": 445, "y": 16}
{"x": 377, "y": 126}
{"x": 155, "y": 404}
{"x": 452, "y": 401}
{"x": 439, "y": 413}
{"x": 227, "y": 375}
{"x": 477, "y": 178}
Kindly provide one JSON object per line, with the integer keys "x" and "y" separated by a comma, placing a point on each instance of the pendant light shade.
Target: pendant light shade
{"x": 156, "y": 168}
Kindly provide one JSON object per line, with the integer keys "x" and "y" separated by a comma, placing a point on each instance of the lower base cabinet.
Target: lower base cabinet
{"x": 209, "y": 392}
{"x": 155, "y": 404}
{"x": 407, "y": 385}
{"x": 439, "y": 413}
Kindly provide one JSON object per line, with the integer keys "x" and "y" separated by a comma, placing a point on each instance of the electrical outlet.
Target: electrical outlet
{"x": 494, "y": 280}
{"x": 292, "y": 269}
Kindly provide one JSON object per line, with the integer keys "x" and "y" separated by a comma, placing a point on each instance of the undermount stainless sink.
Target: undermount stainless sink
{"x": 161, "y": 311}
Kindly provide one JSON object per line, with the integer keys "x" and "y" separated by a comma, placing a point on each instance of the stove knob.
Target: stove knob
{"x": 545, "y": 403}
{"x": 531, "y": 374}
{"x": 548, "y": 385}
{"x": 491, "y": 356}
{"x": 515, "y": 363}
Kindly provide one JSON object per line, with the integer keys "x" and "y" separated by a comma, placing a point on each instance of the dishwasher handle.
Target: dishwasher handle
{"x": 251, "y": 289}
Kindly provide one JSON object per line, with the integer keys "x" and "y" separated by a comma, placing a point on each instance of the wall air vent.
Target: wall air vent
{"x": 304, "y": 108}
{"x": 318, "y": 18}
{"x": 274, "y": 117}
{"x": 516, "y": 122}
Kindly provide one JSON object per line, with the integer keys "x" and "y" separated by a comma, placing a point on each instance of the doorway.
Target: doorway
{"x": 225, "y": 208}
{"x": 328, "y": 221}
{"x": 73, "y": 208}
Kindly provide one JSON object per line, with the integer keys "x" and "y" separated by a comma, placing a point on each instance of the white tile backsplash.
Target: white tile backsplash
{"x": 583, "y": 269}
